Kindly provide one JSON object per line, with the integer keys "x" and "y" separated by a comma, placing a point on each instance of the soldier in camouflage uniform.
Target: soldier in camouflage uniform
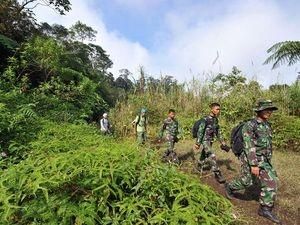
{"x": 256, "y": 160}
{"x": 209, "y": 129}
{"x": 171, "y": 127}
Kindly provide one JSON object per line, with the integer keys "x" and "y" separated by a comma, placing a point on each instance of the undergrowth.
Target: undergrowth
{"x": 75, "y": 176}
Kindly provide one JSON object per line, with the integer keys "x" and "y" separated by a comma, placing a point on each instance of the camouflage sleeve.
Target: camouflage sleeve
{"x": 200, "y": 133}
{"x": 219, "y": 134}
{"x": 249, "y": 141}
{"x": 179, "y": 131}
{"x": 161, "y": 132}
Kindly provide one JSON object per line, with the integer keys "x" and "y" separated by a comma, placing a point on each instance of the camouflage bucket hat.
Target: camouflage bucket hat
{"x": 265, "y": 104}
{"x": 143, "y": 110}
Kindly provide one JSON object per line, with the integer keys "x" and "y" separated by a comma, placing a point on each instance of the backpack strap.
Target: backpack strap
{"x": 255, "y": 123}
{"x": 139, "y": 119}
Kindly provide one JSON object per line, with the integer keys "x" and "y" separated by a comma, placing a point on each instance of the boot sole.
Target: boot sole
{"x": 262, "y": 215}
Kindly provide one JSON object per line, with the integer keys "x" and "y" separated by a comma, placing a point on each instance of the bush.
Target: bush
{"x": 19, "y": 125}
{"x": 75, "y": 176}
{"x": 286, "y": 132}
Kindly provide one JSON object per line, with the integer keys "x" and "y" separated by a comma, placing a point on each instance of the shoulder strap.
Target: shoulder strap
{"x": 206, "y": 119}
{"x": 139, "y": 119}
{"x": 254, "y": 121}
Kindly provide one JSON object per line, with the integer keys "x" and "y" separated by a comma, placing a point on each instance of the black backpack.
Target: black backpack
{"x": 236, "y": 140}
{"x": 196, "y": 127}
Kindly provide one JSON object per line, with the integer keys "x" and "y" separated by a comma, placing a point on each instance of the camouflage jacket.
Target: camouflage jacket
{"x": 170, "y": 126}
{"x": 257, "y": 137}
{"x": 209, "y": 129}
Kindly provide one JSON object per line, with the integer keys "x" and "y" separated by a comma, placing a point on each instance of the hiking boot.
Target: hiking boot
{"x": 266, "y": 211}
{"x": 228, "y": 192}
{"x": 200, "y": 165}
{"x": 173, "y": 158}
{"x": 219, "y": 177}
{"x": 165, "y": 156}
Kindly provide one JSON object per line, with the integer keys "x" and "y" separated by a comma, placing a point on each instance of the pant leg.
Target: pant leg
{"x": 245, "y": 179}
{"x": 269, "y": 184}
{"x": 170, "y": 144}
{"x": 209, "y": 156}
{"x": 140, "y": 137}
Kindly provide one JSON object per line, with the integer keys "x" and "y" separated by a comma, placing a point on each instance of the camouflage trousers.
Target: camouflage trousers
{"x": 141, "y": 137}
{"x": 267, "y": 177}
{"x": 208, "y": 156}
{"x": 170, "y": 144}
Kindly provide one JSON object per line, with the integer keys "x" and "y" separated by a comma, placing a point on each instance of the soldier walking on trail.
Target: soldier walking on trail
{"x": 171, "y": 128}
{"x": 209, "y": 129}
{"x": 256, "y": 160}
{"x": 140, "y": 126}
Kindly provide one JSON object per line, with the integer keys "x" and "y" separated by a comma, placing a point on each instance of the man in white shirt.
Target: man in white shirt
{"x": 105, "y": 125}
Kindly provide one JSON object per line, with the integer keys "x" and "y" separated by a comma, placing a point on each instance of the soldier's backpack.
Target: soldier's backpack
{"x": 196, "y": 127}
{"x": 236, "y": 138}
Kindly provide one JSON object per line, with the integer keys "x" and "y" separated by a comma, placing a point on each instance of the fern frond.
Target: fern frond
{"x": 287, "y": 52}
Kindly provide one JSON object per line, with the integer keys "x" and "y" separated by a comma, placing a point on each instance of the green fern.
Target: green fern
{"x": 284, "y": 52}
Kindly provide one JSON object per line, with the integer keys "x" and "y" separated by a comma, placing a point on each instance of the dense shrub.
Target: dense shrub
{"x": 75, "y": 176}
{"x": 286, "y": 132}
{"x": 19, "y": 125}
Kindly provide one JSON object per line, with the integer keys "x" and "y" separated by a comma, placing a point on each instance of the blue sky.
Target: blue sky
{"x": 182, "y": 37}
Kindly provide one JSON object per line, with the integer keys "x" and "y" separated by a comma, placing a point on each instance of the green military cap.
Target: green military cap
{"x": 265, "y": 104}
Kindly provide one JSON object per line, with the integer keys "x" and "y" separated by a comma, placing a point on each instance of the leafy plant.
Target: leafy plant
{"x": 74, "y": 175}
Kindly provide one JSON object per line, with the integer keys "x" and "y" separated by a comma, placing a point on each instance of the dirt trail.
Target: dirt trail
{"x": 245, "y": 204}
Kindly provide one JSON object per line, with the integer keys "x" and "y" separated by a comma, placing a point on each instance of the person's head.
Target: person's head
{"x": 264, "y": 109}
{"x": 215, "y": 108}
{"x": 143, "y": 111}
{"x": 105, "y": 115}
{"x": 172, "y": 113}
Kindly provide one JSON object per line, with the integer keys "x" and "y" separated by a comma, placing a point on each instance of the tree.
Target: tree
{"x": 60, "y": 6}
{"x": 123, "y": 80}
{"x": 230, "y": 80}
{"x": 284, "y": 52}
{"x": 17, "y": 19}
{"x": 81, "y": 32}
{"x": 59, "y": 32}
{"x": 7, "y": 48}
{"x": 16, "y": 23}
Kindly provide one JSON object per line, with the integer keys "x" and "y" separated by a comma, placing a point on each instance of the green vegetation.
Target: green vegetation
{"x": 191, "y": 100}
{"x": 75, "y": 176}
{"x": 284, "y": 52}
{"x": 57, "y": 169}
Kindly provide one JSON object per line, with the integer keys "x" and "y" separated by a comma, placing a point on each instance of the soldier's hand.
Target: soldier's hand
{"x": 255, "y": 170}
{"x": 225, "y": 147}
{"x": 196, "y": 146}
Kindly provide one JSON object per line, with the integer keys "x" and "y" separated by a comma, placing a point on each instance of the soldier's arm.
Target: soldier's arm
{"x": 220, "y": 135}
{"x": 135, "y": 120}
{"x": 200, "y": 133}
{"x": 249, "y": 142}
{"x": 161, "y": 132}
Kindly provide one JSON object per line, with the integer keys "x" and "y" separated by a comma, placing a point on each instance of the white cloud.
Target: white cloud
{"x": 191, "y": 36}
{"x": 123, "y": 52}
{"x": 241, "y": 36}
{"x": 139, "y": 4}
